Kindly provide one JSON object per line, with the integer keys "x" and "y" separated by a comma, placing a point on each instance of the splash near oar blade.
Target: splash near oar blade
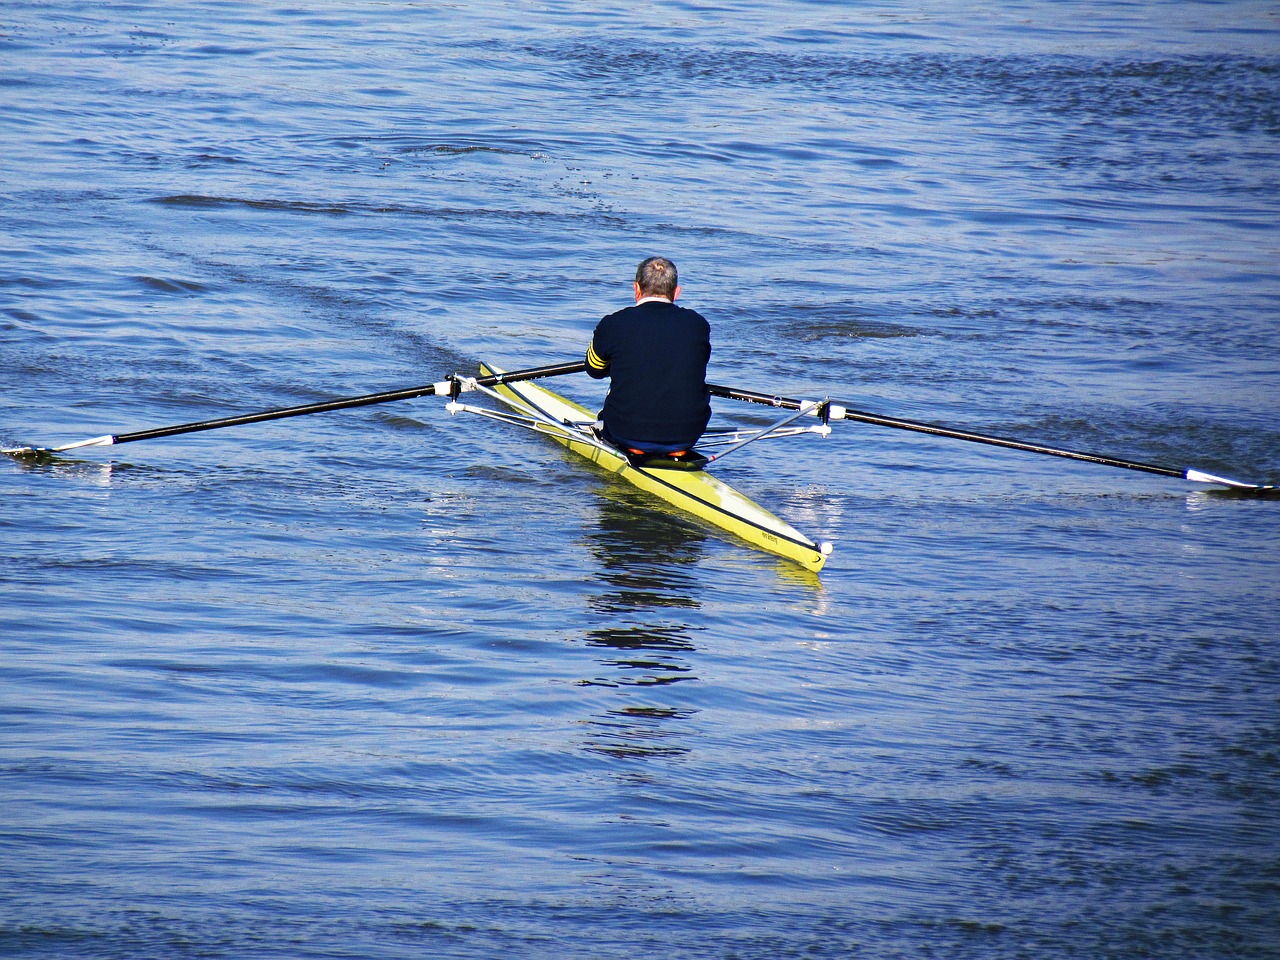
{"x": 35, "y": 452}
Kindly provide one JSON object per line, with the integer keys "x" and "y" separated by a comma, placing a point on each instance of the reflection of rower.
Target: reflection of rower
{"x": 655, "y": 355}
{"x": 646, "y": 558}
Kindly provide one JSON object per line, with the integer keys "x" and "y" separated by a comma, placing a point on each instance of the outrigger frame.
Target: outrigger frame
{"x": 538, "y": 421}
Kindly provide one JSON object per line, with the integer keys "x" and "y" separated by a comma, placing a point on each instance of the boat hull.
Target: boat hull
{"x": 696, "y": 492}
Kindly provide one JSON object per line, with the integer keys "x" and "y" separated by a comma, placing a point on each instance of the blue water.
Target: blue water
{"x": 390, "y": 683}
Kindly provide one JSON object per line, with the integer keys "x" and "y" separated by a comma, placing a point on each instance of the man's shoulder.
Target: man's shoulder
{"x": 692, "y": 319}
{"x": 652, "y": 308}
{"x": 617, "y": 315}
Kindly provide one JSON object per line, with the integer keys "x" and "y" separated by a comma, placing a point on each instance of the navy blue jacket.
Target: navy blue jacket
{"x": 655, "y": 355}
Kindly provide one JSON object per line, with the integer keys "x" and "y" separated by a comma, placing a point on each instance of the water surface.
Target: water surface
{"x": 390, "y": 683}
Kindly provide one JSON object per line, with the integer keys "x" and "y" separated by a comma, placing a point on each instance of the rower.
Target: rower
{"x": 655, "y": 355}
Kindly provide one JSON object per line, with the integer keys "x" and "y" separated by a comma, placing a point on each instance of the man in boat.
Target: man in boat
{"x": 655, "y": 355}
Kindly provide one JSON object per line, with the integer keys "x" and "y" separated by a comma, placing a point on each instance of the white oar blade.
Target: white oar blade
{"x": 35, "y": 451}
{"x": 106, "y": 441}
{"x": 1198, "y": 476}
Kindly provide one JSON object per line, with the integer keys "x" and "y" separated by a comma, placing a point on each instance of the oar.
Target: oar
{"x": 443, "y": 387}
{"x": 837, "y": 412}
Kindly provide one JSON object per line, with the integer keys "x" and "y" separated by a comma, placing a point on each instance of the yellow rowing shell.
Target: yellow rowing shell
{"x": 696, "y": 492}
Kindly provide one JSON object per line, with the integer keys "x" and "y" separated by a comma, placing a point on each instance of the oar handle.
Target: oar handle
{"x": 848, "y": 413}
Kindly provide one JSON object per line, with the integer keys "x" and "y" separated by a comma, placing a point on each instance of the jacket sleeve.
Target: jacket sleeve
{"x": 597, "y": 366}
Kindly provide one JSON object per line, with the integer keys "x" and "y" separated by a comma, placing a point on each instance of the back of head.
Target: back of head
{"x": 657, "y": 278}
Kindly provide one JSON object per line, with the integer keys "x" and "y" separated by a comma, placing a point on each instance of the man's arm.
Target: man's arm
{"x": 597, "y": 366}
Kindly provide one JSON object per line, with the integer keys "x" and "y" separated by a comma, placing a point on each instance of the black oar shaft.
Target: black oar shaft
{"x": 243, "y": 419}
{"x": 533, "y": 373}
{"x": 788, "y": 403}
{"x": 389, "y": 396}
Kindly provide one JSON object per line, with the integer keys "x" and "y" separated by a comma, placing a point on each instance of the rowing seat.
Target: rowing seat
{"x": 679, "y": 460}
{"x": 676, "y": 460}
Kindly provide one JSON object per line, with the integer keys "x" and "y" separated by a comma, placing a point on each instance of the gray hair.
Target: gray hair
{"x": 657, "y": 278}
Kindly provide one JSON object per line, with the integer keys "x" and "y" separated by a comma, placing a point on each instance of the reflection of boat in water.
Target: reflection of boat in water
{"x": 647, "y": 558}
{"x": 646, "y": 657}
{"x": 646, "y": 567}
{"x": 630, "y": 531}
{"x": 638, "y": 733}
{"x": 638, "y": 655}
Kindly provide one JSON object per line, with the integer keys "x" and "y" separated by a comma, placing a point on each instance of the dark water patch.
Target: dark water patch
{"x": 457, "y": 150}
{"x": 200, "y": 160}
{"x": 287, "y": 206}
{"x": 215, "y": 50}
{"x": 166, "y": 285}
{"x": 28, "y": 282}
{"x": 819, "y": 323}
{"x": 637, "y": 59}
{"x": 1084, "y": 87}
{"x": 1241, "y": 90}
{"x": 52, "y": 940}
{"x": 398, "y": 421}
{"x": 366, "y": 208}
